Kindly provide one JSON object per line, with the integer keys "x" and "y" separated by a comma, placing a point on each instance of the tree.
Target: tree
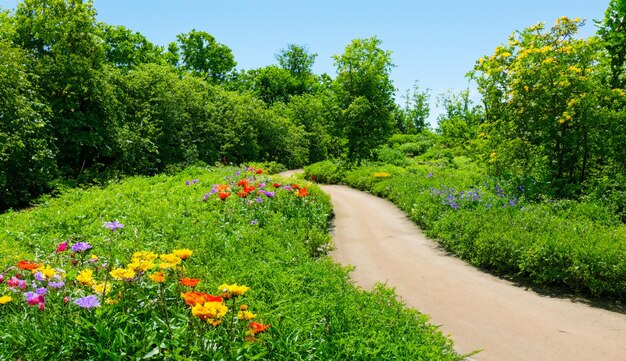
{"x": 27, "y": 151}
{"x": 613, "y": 33}
{"x": 365, "y": 94}
{"x": 297, "y": 60}
{"x": 416, "y": 110}
{"x": 543, "y": 99}
{"x": 67, "y": 60}
{"x": 202, "y": 55}
{"x": 459, "y": 124}
{"x": 126, "y": 49}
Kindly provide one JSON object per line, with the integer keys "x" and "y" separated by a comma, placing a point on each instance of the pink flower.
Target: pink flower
{"x": 61, "y": 247}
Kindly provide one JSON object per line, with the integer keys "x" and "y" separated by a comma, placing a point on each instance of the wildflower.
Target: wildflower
{"x": 5, "y": 299}
{"x": 169, "y": 261}
{"x": 140, "y": 266}
{"x": 81, "y": 247}
{"x": 195, "y": 181}
{"x": 122, "y": 273}
{"x": 223, "y": 195}
{"x": 242, "y": 183}
{"x": 33, "y": 298}
{"x": 253, "y": 222}
{"x": 429, "y": 175}
{"x": 259, "y": 171}
{"x": 259, "y": 199}
{"x": 93, "y": 258}
{"x": 157, "y": 277}
{"x": 27, "y": 265}
{"x": 313, "y": 178}
{"x": 87, "y": 302}
{"x": 182, "y": 253}
{"x": 209, "y": 311}
{"x": 111, "y": 301}
{"x": 99, "y": 288}
{"x": 45, "y": 272}
{"x": 56, "y": 284}
{"x": 248, "y": 188}
{"x": 232, "y": 290}
{"x": 61, "y": 247}
{"x": 85, "y": 277}
{"x": 41, "y": 291}
{"x": 256, "y": 327}
{"x": 144, "y": 256}
{"x": 189, "y": 282}
{"x": 245, "y": 315}
{"x": 114, "y": 226}
{"x": 295, "y": 186}
{"x": 302, "y": 192}
{"x": 1, "y": 278}
{"x": 242, "y": 194}
{"x": 206, "y": 196}
{"x": 193, "y": 298}
{"x": 276, "y": 185}
{"x": 187, "y": 183}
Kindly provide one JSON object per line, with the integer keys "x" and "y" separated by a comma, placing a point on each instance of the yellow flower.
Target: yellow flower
{"x": 381, "y": 175}
{"x": 5, "y": 299}
{"x": 157, "y": 277}
{"x": 99, "y": 288}
{"x": 111, "y": 301}
{"x": 182, "y": 253}
{"x": 209, "y": 310}
{"x": 122, "y": 273}
{"x": 144, "y": 256}
{"x": 245, "y": 315}
{"x": 232, "y": 290}
{"x": 94, "y": 258}
{"x": 169, "y": 260}
{"x": 548, "y": 60}
{"x": 85, "y": 277}
{"x": 140, "y": 265}
{"x": 47, "y": 271}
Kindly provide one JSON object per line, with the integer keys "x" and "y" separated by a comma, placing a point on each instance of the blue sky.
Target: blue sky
{"x": 433, "y": 42}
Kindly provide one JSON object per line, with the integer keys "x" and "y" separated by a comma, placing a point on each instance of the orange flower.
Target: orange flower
{"x": 157, "y": 277}
{"x": 193, "y": 298}
{"x": 224, "y": 195}
{"x": 223, "y": 187}
{"x": 242, "y": 194}
{"x": 295, "y": 186}
{"x": 189, "y": 282}
{"x": 27, "y": 265}
{"x": 259, "y": 171}
{"x": 242, "y": 183}
{"x": 248, "y": 188}
{"x": 256, "y": 327}
{"x": 302, "y": 192}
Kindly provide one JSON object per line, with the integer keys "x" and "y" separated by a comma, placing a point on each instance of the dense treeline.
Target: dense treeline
{"x": 84, "y": 102}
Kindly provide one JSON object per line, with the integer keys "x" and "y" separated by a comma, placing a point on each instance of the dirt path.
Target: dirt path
{"x": 479, "y": 311}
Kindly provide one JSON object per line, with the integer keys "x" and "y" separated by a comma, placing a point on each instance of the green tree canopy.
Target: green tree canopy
{"x": 365, "y": 94}
{"x": 202, "y": 55}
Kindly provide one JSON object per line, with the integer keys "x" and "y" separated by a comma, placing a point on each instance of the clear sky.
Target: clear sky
{"x": 433, "y": 42}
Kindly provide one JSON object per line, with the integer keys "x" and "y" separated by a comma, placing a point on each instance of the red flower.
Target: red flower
{"x": 302, "y": 192}
{"x": 313, "y": 178}
{"x": 242, "y": 194}
{"x": 61, "y": 247}
{"x": 242, "y": 183}
{"x": 256, "y": 327}
{"x": 259, "y": 171}
{"x": 276, "y": 185}
{"x": 248, "y": 188}
{"x": 189, "y": 282}
{"x": 224, "y": 195}
{"x": 295, "y": 186}
{"x": 27, "y": 265}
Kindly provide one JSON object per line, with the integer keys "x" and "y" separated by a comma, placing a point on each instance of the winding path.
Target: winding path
{"x": 477, "y": 310}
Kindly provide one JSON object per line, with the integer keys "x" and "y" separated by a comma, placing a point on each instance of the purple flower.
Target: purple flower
{"x": 81, "y": 247}
{"x": 429, "y": 175}
{"x": 87, "y": 302}
{"x": 268, "y": 194}
{"x": 206, "y": 196}
{"x": 195, "y": 181}
{"x": 213, "y": 190}
{"x": 114, "y": 226}
{"x": 259, "y": 200}
{"x": 33, "y": 298}
{"x": 41, "y": 291}
{"x": 238, "y": 173}
{"x": 187, "y": 183}
{"x": 39, "y": 276}
{"x": 262, "y": 185}
{"x": 56, "y": 284}
{"x": 521, "y": 188}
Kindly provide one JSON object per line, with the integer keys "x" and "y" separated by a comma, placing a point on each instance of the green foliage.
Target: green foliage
{"x": 26, "y": 146}
{"x": 326, "y": 171}
{"x": 571, "y": 245}
{"x": 459, "y": 124}
{"x": 613, "y": 33}
{"x": 199, "y": 53}
{"x": 313, "y": 309}
{"x": 365, "y": 94}
{"x": 126, "y": 49}
{"x": 416, "y": 110}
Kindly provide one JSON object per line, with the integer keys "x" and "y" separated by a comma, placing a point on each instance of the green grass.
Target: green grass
{"x": 579, "y": 247}
{"x": 275, "y": 247}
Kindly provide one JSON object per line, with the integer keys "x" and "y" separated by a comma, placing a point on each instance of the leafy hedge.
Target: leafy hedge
{"x": 576, "y": 245}
{"x": 273, "y": 245}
